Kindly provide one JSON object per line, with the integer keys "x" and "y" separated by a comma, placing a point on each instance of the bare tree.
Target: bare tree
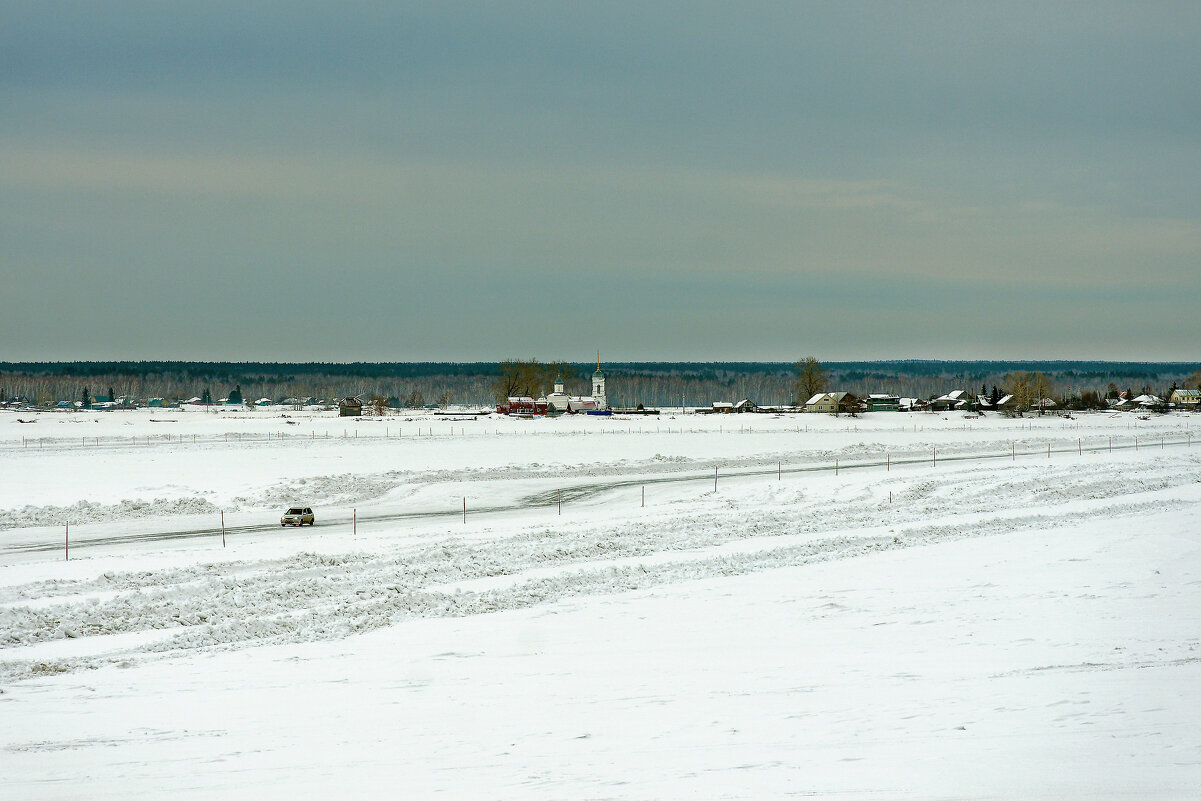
{"x": 528, "y": 378}
{"x": 1020, "y": 387}
{"x": 1041, "y": 389}
{"x": 811, "y": 379}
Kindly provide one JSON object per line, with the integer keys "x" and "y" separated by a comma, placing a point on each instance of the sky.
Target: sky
{"x": 287, "y": 181}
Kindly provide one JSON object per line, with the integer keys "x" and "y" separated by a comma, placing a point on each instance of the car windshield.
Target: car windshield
{"x": 296, "y": 511}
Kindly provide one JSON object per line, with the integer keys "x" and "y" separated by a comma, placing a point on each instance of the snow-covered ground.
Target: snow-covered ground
{"x": 890, "y": 606}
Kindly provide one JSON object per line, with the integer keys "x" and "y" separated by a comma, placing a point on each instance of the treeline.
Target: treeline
{"x": 661, "y": 384}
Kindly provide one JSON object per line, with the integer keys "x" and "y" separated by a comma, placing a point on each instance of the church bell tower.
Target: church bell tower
{"x": 598, "y": 386}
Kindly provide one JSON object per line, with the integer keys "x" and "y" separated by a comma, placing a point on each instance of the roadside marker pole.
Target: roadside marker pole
{"x": 779, "y": 471}
{"x": 935, "y": 450}
{"x": 559, "y": 500}
{"x": 1136, "y": 443}
{"x": 888, "y": 464}
{"x": 1013, "y": 453}
{"x": 1079, "y": 447}
{"x": 464, "y": 510}
{"x": 67, "y": 543}
{"x": 643, "y": 496}
{"x": 354, "y": 522}
{"x": 715, "y": 479}
{"x": 1048, "y": 450}
{"x": 835, "y": 467}
{"x": 222, "y": 528}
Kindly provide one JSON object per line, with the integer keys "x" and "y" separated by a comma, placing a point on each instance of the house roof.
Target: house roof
{"x": 816, "y": 398}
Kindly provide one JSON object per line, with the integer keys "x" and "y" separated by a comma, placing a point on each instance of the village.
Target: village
{"x": 1021, "y": 400}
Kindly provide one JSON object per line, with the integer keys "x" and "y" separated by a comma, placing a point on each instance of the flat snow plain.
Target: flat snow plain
{"x": 887, "y": 607}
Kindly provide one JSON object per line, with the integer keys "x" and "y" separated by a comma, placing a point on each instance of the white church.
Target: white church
{"x": 559, "y": 402}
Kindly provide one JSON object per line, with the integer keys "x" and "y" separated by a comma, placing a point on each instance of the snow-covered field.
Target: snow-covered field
{"x": 893, "y": 606}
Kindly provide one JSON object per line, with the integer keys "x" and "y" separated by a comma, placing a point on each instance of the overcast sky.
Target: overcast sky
{"x": 447, "y": 181}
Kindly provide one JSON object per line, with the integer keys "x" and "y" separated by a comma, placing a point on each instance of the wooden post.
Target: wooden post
{"x": 836, "y": 466}
{"x": 559, "y": 500}
{"x": 935, "y": 456}
{"x": 1013, "y": 453}
{"x": 464, "y": 510}
{"x": 67, "y": 543}
{"x": 354, "y": 521}
{"x": 1048, "y": 450}
{"x": 715, "y": 479}
{"x": 222, "y": 528}
{"x": 888, "y": 464}
{"x": 644, "y": 496}
{"x": 780, "y": 471}
{"x": 1079, "y": 447}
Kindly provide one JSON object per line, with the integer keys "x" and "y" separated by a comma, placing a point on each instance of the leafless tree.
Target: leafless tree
{"x": 811, "y": 379}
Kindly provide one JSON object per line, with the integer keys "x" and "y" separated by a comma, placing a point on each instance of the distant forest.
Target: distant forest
{"x": 658, "y": 384}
